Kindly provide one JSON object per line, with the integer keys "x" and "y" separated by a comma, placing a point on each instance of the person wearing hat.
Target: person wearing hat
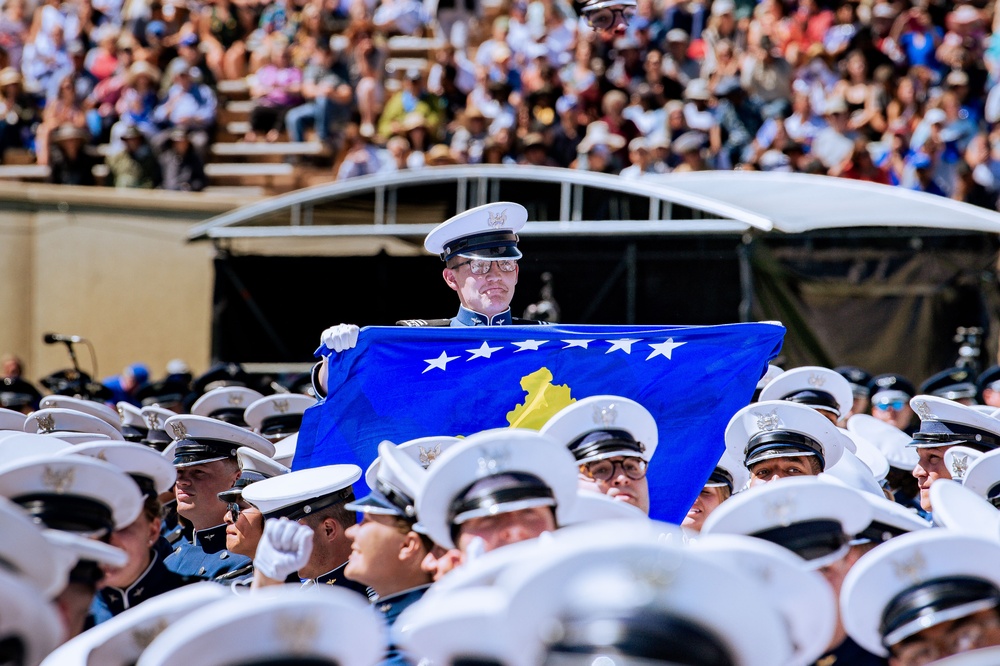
{"x": 823, "y": 389}
{"x": 924, "y": 596}
{"x": 144, "y": 575}
{"x": 729, "y": 477}
{"x": 958, "y": 384}
{"x": 275, "y": 417}
{"x": 226, "y": 403}
{"x": 387, "y": 554}
{"x": 417, "y": 100}
{"x": 190, "y": 103}
{"x": 135, "y": 164}
{"x": 902, "y": 458}
{"x": 181, "y": 166}
{"x": 18, "y": 112}
{"x": 81, "y": 501}
{"x": 613, "y": 440}
{"x": 943, "y": 424}
{"x": 817, "y": 521}
{"x": 496, "y": 488}
{"x": 890, "y": 395}
{"x": 204, "y": 451}
{"x": 479, "y": 249}
{"x": 777, "y": 439}
{"x": 859, "y": 380}
{"x": 305, "y": 525}
{"x": 69, "y": 162}
{"x": 609, "y": 19}
{"x": 988, "y": 384}
{"x": 284, "y": 627}
{"x": 244, "y": 523}
{"x": 596, "y": 152}
{"x": 71, "y": 425}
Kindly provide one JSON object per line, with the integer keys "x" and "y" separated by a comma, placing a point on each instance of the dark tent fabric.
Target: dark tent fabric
{"x": 882, "y": 308}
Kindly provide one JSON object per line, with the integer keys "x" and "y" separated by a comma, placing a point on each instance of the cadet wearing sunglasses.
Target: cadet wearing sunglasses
{"x": 609, "y": 18}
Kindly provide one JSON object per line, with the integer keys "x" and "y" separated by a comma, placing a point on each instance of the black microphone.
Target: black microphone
{"x": 53, "y": 338}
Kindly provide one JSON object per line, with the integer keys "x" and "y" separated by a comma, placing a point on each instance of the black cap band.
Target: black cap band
{"x": 879, "y": 532}
{"x": 763, "y": 442}
{"x": 146, "y": 485}
{"x": 230, "y": 415}
{"x": 721, "y": 477}
{"x": 134, "y": 434}
{"x": 810, "y": 539}
{"x": 935, "y": 601}
{"x": 281, "y": 424}
{"x": 941, "y": 432}
{"x": 308, "y": 507}
{"x": 194, "y": 451}
{"x": 815, "y": 399}
{"x": 397, "y": 498}
{"x": 480, "y": 242}
{"x": 604, "y": 441}
{"x": 485, "y": 496}
{"x": 645, "y": 634}
{"x": 68, "y": 513}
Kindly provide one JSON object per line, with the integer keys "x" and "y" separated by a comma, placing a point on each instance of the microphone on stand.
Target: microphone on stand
{"x": 53, "y": 338}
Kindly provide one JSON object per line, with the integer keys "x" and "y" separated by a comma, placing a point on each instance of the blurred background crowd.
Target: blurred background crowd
{"x": 893, "y": 92}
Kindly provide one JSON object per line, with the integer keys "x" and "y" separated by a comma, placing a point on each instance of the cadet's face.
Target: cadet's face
{"x": 198, "y": 489}
{"x": 136, "y": 540}
{"x": 780, "y": 468}
{"x": 489, "y": 294}
{"x": 979, "y": 630}
{"x": 708, "y": 501}
{"x": 619, "y": 487}
{"x": 897, "y": 414}
{"x": 440, "y": 561}
{"x": 375, "y": 546}
{"x": 243, "y": 535}
{"x": 929, "y": 469}
{"x": 506, "y": 528}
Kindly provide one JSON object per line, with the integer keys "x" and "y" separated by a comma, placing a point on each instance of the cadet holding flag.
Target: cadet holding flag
{"x": 479, "y": 249}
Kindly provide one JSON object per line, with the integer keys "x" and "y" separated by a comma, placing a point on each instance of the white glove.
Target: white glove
{"x": 284, "y": 548}
{"x": 340, "y": 337}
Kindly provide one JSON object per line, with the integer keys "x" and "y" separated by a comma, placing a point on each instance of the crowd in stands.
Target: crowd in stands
{"x": 890, "y": 92}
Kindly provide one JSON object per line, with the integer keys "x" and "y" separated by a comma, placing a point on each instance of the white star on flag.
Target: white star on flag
{"x": 625, "y": 345}
{"x": 440, "y": 362}
{"x": 577, "y": 343}
{"x": 529, "y": 345}
{"x": 665, "y": 348}
{"x": 483, "y": 352}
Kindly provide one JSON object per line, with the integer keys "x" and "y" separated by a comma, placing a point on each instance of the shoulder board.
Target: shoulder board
{"x": 174, "y": 537}
{"x": 423, "y": 322}
{"x": 529, "y": 322}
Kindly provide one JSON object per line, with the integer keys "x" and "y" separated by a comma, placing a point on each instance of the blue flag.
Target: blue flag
{"x": 402, "y": 383}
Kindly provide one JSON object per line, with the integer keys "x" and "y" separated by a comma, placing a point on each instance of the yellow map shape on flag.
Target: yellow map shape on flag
{"x": 543, "y": 401}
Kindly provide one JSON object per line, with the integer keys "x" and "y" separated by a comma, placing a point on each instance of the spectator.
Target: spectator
{"x": 412, "y": 98}
{"x": 220, "y": 36}
{"x": 688, "y": 147}
{"x": 137, "y": 104}
{"x": 864, "y": 105}
{"x": 327, "y": 98}
{"x": 361, "y": 158}
{"x": 17, "y": 112}
{"x": 13, "y": 32}
{"x": 640, "y": 158}
{"x": 65, "y": 109}
{"x": 535, "y": 152}
{"x": 69, "y": 161}
{"x": 180, "y": 165}
{"x": 135, "y": 165}
{"x": 767, "y": 76}
{"x": 189, "y": 104}
{"x": 678, "y": 66}
{"x": 275, "y": 89}
{"x": 596, "y": 152}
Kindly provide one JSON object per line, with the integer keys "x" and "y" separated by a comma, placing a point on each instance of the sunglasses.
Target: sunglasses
{"x": 605, "y": 18}
{"x": 604, "y": 470}
{"x": 886, "y": 405}
{"x": 483, "y": 266}
{"x": 234, "y": 509}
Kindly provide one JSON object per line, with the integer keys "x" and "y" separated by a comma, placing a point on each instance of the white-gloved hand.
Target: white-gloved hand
{"x": 340, "y": 337}
{"x": 284, "y": 548}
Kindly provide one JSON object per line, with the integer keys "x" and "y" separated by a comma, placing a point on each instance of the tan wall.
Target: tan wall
{"x": 114, "y": 267}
